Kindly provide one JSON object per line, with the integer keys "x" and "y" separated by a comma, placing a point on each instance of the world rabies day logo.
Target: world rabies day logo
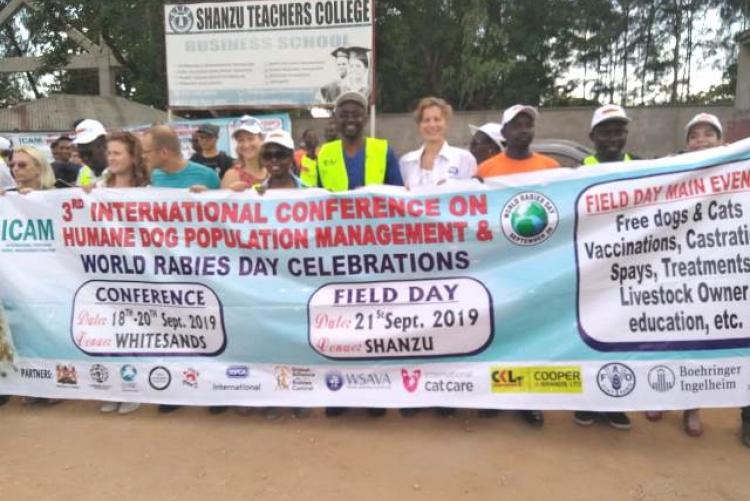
{"x": 529, "y": 218}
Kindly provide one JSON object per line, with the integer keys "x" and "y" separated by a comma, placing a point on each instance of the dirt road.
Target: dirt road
{"x": 71, "y": 452}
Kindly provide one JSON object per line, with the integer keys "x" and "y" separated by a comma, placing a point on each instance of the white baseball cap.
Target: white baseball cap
{"x": 280, "y": 137}
{"x": 704, "y": 118}
{"x": 88, "y": 130}
{"x": 514, "y": 110}
{"x": 249, "y": 124}
{"x": 5, "y": 144}
{"x": 609, "y": 112}
{"x": 492, "y": 129}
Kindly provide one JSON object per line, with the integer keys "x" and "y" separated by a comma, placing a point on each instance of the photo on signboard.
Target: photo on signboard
{"x": 352, "y": 74}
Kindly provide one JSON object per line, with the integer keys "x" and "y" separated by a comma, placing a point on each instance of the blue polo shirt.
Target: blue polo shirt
{"x": 191, "y": 175}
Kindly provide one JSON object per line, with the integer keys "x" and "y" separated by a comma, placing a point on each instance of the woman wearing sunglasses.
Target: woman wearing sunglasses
{"x": 31, "y": 172}
{"x": 277, "y": 158}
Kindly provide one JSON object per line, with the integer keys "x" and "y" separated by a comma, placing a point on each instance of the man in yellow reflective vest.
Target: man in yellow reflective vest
{"x": 355, "y": 161}
{"x": 609, "y": 133}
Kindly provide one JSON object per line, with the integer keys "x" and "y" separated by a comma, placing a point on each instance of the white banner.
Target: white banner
{"x": 267, "y": 53}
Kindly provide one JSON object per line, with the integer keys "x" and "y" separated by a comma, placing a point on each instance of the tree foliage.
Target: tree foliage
{"x": 478, "y": 54}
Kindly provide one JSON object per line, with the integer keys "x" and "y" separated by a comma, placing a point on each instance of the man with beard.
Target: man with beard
{"x": 517, "y": 128}
{"x": 354, "y": 160}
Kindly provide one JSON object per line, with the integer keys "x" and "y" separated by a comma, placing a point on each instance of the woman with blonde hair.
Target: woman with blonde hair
{"x": 247, "y": 172}
{"x": 436, "y": 161}
{"x": 31, "y": 170}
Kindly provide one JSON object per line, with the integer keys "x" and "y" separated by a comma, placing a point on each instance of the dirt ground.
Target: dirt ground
{"x": 71, "y": 452}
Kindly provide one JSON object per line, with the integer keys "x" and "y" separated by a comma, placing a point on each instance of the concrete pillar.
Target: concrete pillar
{"x": 742, "y": 95}
{"x": 106, "y": 72}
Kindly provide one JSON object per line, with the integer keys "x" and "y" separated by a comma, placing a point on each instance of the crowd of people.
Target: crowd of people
{"x": 347, "y": 160}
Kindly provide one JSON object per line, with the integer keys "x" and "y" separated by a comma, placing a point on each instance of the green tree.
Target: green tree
{"x": 132, "y": 29}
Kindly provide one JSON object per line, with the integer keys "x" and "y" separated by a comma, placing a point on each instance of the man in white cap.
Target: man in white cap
{"x": 91, "y": 141}
{"x": 517, "y": 128}
{"x": 609, "y": 133}
{"x": 355, "y": 161}
{"x": 486, "y": 141}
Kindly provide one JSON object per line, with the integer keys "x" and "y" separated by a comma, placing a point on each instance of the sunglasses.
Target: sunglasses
{"x": 275, "y": 155}
{"x": 20, "y": 165}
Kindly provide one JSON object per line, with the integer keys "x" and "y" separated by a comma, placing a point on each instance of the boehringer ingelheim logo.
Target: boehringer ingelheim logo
{"x": 661, "y": 378}
{"x": 180, "y": 19}
{"x": 529, "y": 218}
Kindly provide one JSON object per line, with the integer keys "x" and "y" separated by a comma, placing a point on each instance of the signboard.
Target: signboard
{"x": 267, "y": 53}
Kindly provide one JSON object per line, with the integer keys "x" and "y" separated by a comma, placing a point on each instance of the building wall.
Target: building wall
{"x": 654, "y": 131}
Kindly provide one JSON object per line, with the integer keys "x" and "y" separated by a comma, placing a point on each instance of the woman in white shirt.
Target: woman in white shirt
{"x": 436, "y": 161}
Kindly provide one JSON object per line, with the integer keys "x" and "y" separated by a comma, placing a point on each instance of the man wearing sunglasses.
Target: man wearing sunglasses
{"x": 355, "y": 161}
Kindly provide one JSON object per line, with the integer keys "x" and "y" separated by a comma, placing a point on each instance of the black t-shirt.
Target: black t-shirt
{"x": 66, "y": 174}
{"x": 220, "y": 163}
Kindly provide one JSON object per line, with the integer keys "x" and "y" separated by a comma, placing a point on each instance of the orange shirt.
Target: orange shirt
{"x": 502, "y": 165}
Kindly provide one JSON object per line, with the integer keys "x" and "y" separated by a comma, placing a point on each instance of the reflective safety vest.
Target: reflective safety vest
{"x": 592, "y": 160}
{"x": 86, "y": 176}
{"x": 308, "y": 171}
{"x": 332, "y": 166}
